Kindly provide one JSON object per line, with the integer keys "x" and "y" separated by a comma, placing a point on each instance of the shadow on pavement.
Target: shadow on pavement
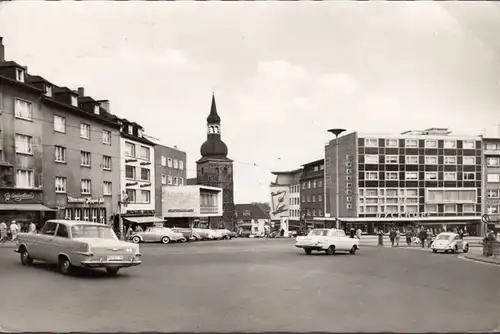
{"x": 79, "y": 272}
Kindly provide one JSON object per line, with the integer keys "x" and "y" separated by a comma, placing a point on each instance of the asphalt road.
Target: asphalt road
{"x": 256, "y": 285}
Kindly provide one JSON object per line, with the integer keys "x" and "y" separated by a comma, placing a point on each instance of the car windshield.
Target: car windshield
{"x": 444, "y": 237}
{"x": 323, "y": 233}
{"x": 92, "y": 231}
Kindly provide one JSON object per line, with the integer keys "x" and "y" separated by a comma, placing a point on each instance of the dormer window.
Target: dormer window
{"x": 130, "y": 130}
{"x": 96, "y": 110}
{"x": 48, "y": 90}
{"x": 139, "y": 133}
{"x": 74, "y": 101}
{"x": 20, "y": 75}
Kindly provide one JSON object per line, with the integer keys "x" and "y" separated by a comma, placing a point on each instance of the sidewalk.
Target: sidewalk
{"x": 8, "y": 244}
{"x": 476, "y": 254}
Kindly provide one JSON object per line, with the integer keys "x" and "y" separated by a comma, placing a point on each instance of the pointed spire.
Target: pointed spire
{"x": 213, "y": 118}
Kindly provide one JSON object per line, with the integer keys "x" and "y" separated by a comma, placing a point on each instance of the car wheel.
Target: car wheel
{"x": 26, "y": 258}
{"x": 136, "y": 240}
{"x": 466, "y": 249}
{"x": 65, "y": 265}
{"x": 183, "y": 240}
{"x": 434, "y": 250}
{"x": 455, "y": 249}
{"x": 353, "y": 250}
{"x": 308, "y": 251}
{"x": 330, "y": 250}
{"x": 165, "y": 240}
{"x": 112, "y": 271}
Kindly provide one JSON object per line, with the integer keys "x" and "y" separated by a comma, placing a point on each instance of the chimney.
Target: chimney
{"x": 2, "y": 50}
{"x": 81, "y": 92}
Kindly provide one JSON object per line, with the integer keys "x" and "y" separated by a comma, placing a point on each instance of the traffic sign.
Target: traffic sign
{"x": 485, "y": 218}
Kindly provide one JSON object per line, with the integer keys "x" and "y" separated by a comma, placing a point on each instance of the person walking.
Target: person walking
{"x": 358, "y": 233}
{"x": 352, "y": 232}
{"x": 32, "y": 228}
{"x": 380, "y": 234}
{"x": 392, "y": 236}
{"x": 422, "y": 236}
{"x": 14, "y": 230}
{"x": 409, "y": 235}
{"x": 398, "y": 237}
{"x": 3, "y": 232}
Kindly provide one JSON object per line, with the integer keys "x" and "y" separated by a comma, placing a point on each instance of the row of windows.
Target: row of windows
{"x": 312, "y": 198}
{"x": 388, "y": 192}
{"x": 169, "y": 179}
{"x": 144, "y": 151}
{"x": 492, "y": 146}
{"x": 295, "y": 213}
{"x": 131, "y": 174}
{"x": 172, "y": 163}
{"x": 88, "y": 215}
{"x": 85, "y": 130}
{"x": 312, "y": 184}
{"x": 413, "y": 143}
{"x": 428, "y": 176}
{"x": 428, "y": 160}
{"x": 429, "y": 208}
{"x": 294, "y": 189}
{"x": 314, "y": 212}
{"x": 135, "y": 196}
{"x": 85, "y": 186}
{"x": 294, "y": 201}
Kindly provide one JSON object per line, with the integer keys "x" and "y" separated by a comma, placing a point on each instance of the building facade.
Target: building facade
{"x": 170, "y": 170}
{"x": 251, "y": 218}
{"x": 425, "y": 177}
{"x": 285, "y": 200}
{"x": 312, "y": 190}
{"x": 491, "y": 181}
{"x": 215, "y": 169}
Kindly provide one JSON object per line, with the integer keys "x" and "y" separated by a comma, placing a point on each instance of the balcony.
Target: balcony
{"x": 208, "y": 209}
{"x": 491, "y": 152}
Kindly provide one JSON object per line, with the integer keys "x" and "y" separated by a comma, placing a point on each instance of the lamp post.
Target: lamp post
{"x": 337, "y": 132}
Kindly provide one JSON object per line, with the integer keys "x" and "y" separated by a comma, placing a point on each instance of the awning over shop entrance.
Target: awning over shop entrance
{"x": 144, "y": 220}
{"x": 24, "y": 207}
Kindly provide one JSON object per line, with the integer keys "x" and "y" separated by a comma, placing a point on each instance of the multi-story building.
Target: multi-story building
{"x": 251, "y": 217}
{"x": 170, "y": 170}
{"x": 285, "y": 199}
{"x": 137, "y": 173}
{"x": 425, "y": 177}
{"x": 312, "y": 190}
{"x": 491, "y": 181}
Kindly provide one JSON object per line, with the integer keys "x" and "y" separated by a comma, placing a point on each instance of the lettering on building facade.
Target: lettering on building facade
{"x": 18, "y": 197}
{"x": 85, "y": 200}
{"x": 403, "y": 215}
{"x": 180, "y": 210}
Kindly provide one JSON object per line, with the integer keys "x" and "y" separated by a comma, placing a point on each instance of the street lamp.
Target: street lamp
{"x": 337, "y": 132}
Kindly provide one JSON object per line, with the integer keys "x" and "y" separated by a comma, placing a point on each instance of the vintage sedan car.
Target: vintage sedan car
{"x": 226, "y": 234}
{"x": 157, "y": 234}
{"x": 328, "y": 241}
{"x": 449, "y": 242}
{"x": 214, "y": 234}
{"x": 71, "y": 244}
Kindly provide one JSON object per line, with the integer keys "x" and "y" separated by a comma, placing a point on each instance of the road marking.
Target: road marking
{"x": 477, "y": 261}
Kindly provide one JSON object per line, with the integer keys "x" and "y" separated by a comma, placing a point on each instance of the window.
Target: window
{"x": 412, "y": 201}
{"x": 371, "y": 209}
{"x": 431, "y": 208}
{"x": 371, "y": 159}
{"x": 411, "y": 159}
{"x": 469, "y": 176}
{"x": 392, "y": 193}
{"x": 493, "y": 177}
{"x": 62, "y": 231}
{"x": 314, "y": 184}
{"x": 431, "y": 160}
{"x": 163, "y": 179}
{"x": 314, "y": 198}
{"x": 24, "y": 144}
{"x": 391, "y": 143}
{"x": 94, "y": 215}
{"x": 106, "y": 162}
{"x": 469, "y": 160}
{"x": 493, "y": 193}
{"x": 320, "y": 183}
{"x": 181, "y": 164}
{"x": 145, "y": 173}
{"x": 144, "y": 153}
{"x": 106, "y": 188}
{"x": 450, "y": 176}
{"x": 411, "y": 192}
{"x": 85, "y": 158}
{"x": 169, "y": 164}
{"x": 391, "y": 176}
{"x": 492, "y": 146}
{"x": 176, "y": 181}
{"x": 450, "y": 208}
{"x": 371, "y": 193}
{"x": 176, "y": 164}
{"x": 23, "y": 109}
{"x": 411, "y": 176}
{"x": 450, "y": 160}
{"x": 129, "y": 150}
{"x": 131, "y": 195}
{"x": 84, "y": 131}
{"x": 440, "y": 195}
{"x": 169, "y": 180}
{"x": 102, "y": 216}
{"x": 130, "y": 172}
{"x": 492, "y": 209}
{"x": 321, "y": 167}
{"x": 59, "y": 124}
{"x": 316, "y": 168}
{"x": 19, "y": 75}
{"x": 450, "y": 144}
{"x": 431, "y": 143}
{"x": 303, "y": 199}
{"x": 411, "y": 143}
{"x": 49, "y": 228}
{"x": 59, "y": 154}
{"x": 320, "y": 198}
{"x": 24, "y": 179}
{"x": 391, "y": 159}
{"x": 130, "y": 130}
{"x": 181, "y": 181}
{"x": 468, "y": 145}
{"x": 371, "y": 142}
{"x": 493, "y": 162}
{"x": 308, "y": 184}
{"x": 308, "y": 198}
{"x": 163, "y": 161}
{"x": 86, "y": 187}
{"x": 303, "y": 185}
{"x": 78, "y": 214}
{"x": 106, "y": 137}
{"x": 371, "y": 176}
{"x": 67, "y": 214}
{"x": 48, "y": 90}
{"x": 60, "y": 184}
{"x": 74, "y": 101}
{"x": 412, "y": 208}
{"x": 86, "y": 215}
{"x": 468, "y": 208}
{"x": 431, "y": 176}
{"x": 145, "y": 196}
{"x": 96, "y": 110}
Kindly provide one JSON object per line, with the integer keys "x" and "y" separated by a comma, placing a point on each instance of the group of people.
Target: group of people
{"x": 355, "y": 233}
{"x": 420, "y": 236}
{"x": 14, "y": 229}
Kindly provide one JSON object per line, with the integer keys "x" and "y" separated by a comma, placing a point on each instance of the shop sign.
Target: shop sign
{"x": 85, "y": 200}
{"x": 13, "y": 196}
{"x": 403, "y": 215}
{"x": 180, "y": 210}
{"x": 141, "y": 212}
{"x": 18, "y": 197}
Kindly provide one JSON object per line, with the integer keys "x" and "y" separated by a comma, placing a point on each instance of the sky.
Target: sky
{"x": 282, "y": 72}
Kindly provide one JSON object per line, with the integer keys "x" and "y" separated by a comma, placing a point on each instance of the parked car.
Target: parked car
{"x": 449, "y": 242}
{"x": 186, "y": 232}
{"x": 226, "y": 234}
{"x": 214, "y": 234}
{"x": 201, "y": 233}
{"x": 327, "y": 240}
{"x": 71, "y": 244}
{"x": 157, "y": 234}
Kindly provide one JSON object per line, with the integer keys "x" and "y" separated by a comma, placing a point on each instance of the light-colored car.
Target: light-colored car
{"x": 157, "y": 234}
{"x": 214, "y": 234}
{"x": 226, "y": 234}
{"x": 71, "y": 244}
{"x": 328, "y": 241}
{"x": 449, "y": 242}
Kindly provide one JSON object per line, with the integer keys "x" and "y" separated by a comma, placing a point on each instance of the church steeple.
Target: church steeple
{"x": 213, "y": 117}
{"x": 213, "y": 146}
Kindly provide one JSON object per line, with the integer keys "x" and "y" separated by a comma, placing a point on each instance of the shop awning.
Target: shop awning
{"x": 24, "y": 207}
{"x": 144, "y": 220}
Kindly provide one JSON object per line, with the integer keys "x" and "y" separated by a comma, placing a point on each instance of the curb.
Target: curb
{"x": 479, "y": 259}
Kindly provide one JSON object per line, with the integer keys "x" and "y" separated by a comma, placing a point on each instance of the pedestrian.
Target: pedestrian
{"x": 358, "y": 233}
{"x": 129, "y": 232}
{"x": 352, "y": 232}
{"x": 3, "y": 232}
{"x": 461, "y": 234}
{"x": 422, "y": 236}
{"x": 398, "y": 236}
{"x": 409, "y": 235}
{"x": 380, "y": 234}
{"x": 14, "y": 229}
{"x": 392, "y": 236}
{"x": 429, "y": 238}
{"x": 32, "y": 228}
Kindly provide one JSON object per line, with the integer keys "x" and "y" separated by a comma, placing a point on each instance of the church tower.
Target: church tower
{"x": 215, "y": 169}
